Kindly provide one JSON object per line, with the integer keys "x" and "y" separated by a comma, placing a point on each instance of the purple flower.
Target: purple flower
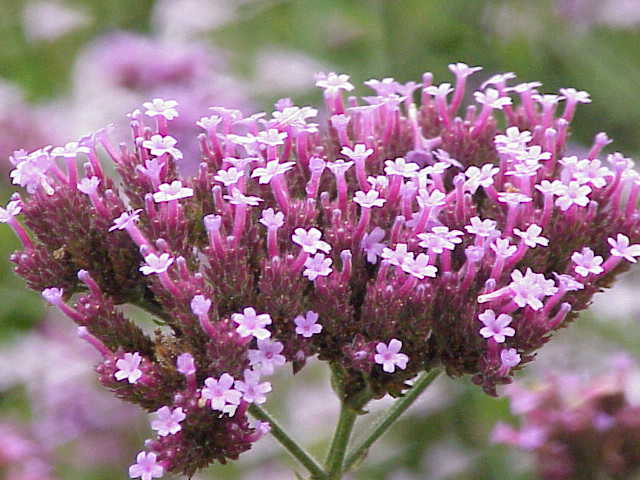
{"x": 389, "y": 356}
{"x": 267, "y": 357}
{"x": 221, "y": 394}
{"x": 317, "y": 266}
{"x": 250, "y": 323}
{"x": 174, "y": 191}
{"x": 186, "y": 364}
{"x": 586, "y": 262}
{"x": 307, "y": 325}
{"x": 159, "y": 145}
{"x": 159, "y": 107}
{"x": 156, "y": 263}
{"x": 167, "y": 421}
{"x": 496, "y": 327}
{"x": 310, "y": 241}
{"x": 146, "y": 467}
{"x": 253, "y": 391}
{"x": 620, "y": 248}
{"x": 128, "y": 367}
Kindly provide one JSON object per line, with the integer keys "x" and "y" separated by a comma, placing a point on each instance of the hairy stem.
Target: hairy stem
{"x": 382, "y": 424}
{"x": 290, "y": 445}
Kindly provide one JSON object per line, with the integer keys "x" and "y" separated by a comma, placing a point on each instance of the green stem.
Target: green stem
{"x": 383, "y": 423}
{"x": 340, "y": 441}
{"x": 299, "y": 453}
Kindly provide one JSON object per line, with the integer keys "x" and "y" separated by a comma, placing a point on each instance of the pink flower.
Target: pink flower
{"x": 229, "y": 177}
{"x": 440, "y": 239}
{"x": 360, "y": 152}
{"x": 13, "y": 209}
{"x": 249, "y": 323}
{"x": 125, "y": 219}
{"x": 70, "y": 150}
{"x": 572, "y": 194}
{"x": 238, "y": 198}
{"x": 419, "y": 267}
{"x": 273, "y": 168}
{"x": 369, "y": 200}
{"x": 496, "y": 328}
{"x": 509, "y": 357}
{"x": 159, "y": 145}
{"x": 389, "y": 356}
{"x": 146, "y": 467}
{"x": 621, "y": 248}
{"x": 307, "y": 325}
{"x": 253, "y": 391}
{"x": 186, "y": 364}
{"x": 156, "y": 264}
{"x": 271, "y": 219}
{"x": 401, "y": 167}
{"x": 167, "y": 422}
{"x": 200, "y": 305}
{"x": 174, "y": 191}
{"x": 482, "y": 228}
{"x": 310, "y": 241}
{"x": 531, "y": 236}
{"x": 480, "y": 177}
{"x": 159, "y": 107}
{"x": 272, "y": 137}
{"x": 128, "y": 367}
{"x": 371, "y": 244}
{"x": 317, "y": 266}
{"x": 221, "y": 394}
{"x": 333, "y": 83}
{"x": 491, "y": 97}
{"x": 587, "y": 262}
{"x": 267, "y": 357}
{"x": 398, "y": 256}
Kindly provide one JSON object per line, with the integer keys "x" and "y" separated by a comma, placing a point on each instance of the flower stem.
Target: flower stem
{"x": 299, "y": 453}
{"x": 340, "y": 442}
{"x": 383, "y": 424}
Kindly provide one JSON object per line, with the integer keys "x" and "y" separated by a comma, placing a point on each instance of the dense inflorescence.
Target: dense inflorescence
{"x": 578, "y": 429}
{"x": 394, "y": 238}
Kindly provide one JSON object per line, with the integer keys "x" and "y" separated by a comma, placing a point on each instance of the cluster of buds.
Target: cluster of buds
{"x": 395, "y": 238}
{"x": 577, "y": 429}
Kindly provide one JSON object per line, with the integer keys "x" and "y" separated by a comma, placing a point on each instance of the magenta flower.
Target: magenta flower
{"x": 389, "y": 356}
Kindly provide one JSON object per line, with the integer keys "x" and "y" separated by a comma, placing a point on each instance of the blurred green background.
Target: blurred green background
{"x": 270, "y": 49}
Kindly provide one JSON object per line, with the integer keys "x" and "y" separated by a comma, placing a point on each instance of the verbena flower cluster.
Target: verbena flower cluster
{"x": 395, "y": 238}
{"x": 575, "y": 429}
